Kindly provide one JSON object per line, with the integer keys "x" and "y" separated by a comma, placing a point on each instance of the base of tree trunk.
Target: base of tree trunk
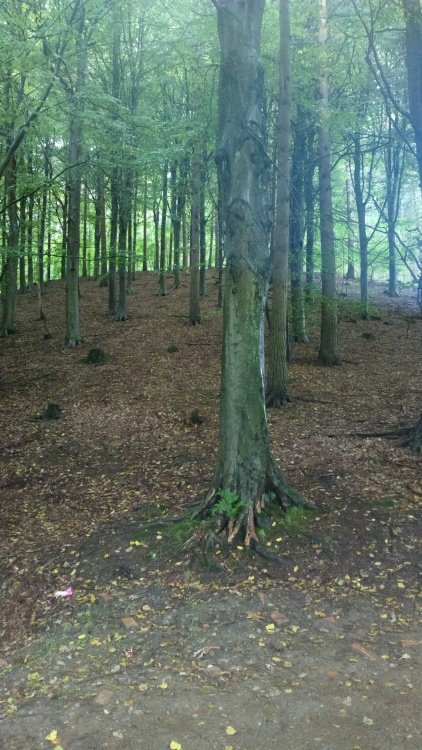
{"x": 414, "y": 439}
{"x": 301, "y": 339}
{"x": 241, "y": 526}
{"x": 274, "y": 400}
{"x": 5, "y": 331}
{"x": 72, "y": 343}
{"x": 329, "y": 360}
{"x": 121, "y": 316}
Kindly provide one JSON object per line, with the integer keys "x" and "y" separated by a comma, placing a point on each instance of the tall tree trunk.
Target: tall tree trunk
{"x": 22, "y": 237}
{"x": 9, "y": 282}
{"x": 114, "y": 223}
{"x": 64, "y": 233}
{"x": 245, "y": 468}
{"x": 156, "y": 216}
{"x": 350, "y": 273}
{"x": 202, "y": 232}
{"x": 361, "y": 212}
{"x": 73, "y": 332}
{"x": 194, "y": 307}
{"x": 85, "y": 232}
{"x": 413, "y": 45}
{"x": 97, "y": 230}
{"x": 277, "y": 378}
{"x": 328, "y": 349}
{"x": 162, "y": 277}
{"x": 309, "y": 195}
{"x": 145, "y": 236}
{"x": 103, "y": 228}
{"x": 30, "y": 232}
{"x": 297, "y": 229}
{"x": 124, "y": 216}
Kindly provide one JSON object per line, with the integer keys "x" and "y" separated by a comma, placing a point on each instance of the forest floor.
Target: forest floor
{"x": 153, "y": 650}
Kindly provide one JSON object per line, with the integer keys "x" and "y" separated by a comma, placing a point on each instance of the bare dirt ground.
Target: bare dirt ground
{"x": 320, "y": 648}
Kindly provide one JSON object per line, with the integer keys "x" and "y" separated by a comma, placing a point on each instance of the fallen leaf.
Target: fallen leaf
{"x": 175, "y": 745}
{"x": 129, "y": 622}
{"x": 231, "y": 730}
{"x": 362, "y": 650}
{"x": 52, "y": 737}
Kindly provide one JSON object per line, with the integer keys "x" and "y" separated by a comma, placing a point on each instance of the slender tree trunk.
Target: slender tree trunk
{"x": 9, "y": 283}
{"x": 145, "y": 236}
{"x": 202, "y": 232}
{"x": 184, "y": 239}
{"x": 194, "y": 306}
{"x": 350, "y": 273}
{"x": 22, "y": 237}
{"x": 114, "y": 223}
{"x": 156, "y": 215}
{"x": 73, "y": 332}
{"x": 41, "y": 239}
{"x": 328, "y": 350}
{"x": 64, "y": 233}
{"x": 85, "y": 232}
{"x": 103, "y": 228}
{"x": 219, "y": 240}
{"x": 413, "y": 45}
{"x": 124, "y": 215}
{"x": 211, "y": 246}
{"x": 310, "y": 207}
{"x": 97, "y": 230}
{"x": 277, "y": 378}
{"x": 162, "y": 277}
{"x": 30, "y": 234}
{"x": 297, "y": 229}
{"x": 361, "y": 212}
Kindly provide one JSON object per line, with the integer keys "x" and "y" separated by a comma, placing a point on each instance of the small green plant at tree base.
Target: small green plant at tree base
{"x": 229, "y": 504}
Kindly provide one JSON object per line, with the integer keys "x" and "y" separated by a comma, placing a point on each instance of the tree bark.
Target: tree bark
{"x": 245, "y": 468}
{"x": 162, "y": 277}
{"x": 297, "y": 229}
{"x": 277, "y": 376}
{"x": 361, "y": 212}
{"x": 194, "y": 306}
{"x": 73, "y": 332}
{"x": 9, "y": 281}
{"x": 328, "y": 350}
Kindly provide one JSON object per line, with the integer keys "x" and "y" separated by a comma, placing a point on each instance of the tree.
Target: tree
{"x": 73, "y": 333}
{"x": 277, "y": 379}
{"x": 328, "y": 350}
{"x": 246, "y": 470}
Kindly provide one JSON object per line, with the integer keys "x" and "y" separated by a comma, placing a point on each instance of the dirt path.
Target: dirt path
{"x": 319, "y": 650}
{"x": 283, "y": 668}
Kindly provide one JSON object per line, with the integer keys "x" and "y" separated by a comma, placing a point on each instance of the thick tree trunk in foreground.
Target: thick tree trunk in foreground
{"x": 277, "y": 378}
{"x": 245, "y": 469}
{"x": 328, "y": 349}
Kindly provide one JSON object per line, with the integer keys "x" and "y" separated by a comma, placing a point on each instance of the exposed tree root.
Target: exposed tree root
{"x": 276, "y": 400}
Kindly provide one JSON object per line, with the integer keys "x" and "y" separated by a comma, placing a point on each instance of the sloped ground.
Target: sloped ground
{"x": 320, "y": 650}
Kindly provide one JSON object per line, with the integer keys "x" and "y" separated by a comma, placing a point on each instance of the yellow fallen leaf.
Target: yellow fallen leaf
{"x": 231, "y": 730}
{"x": 163, "y": 685}
{"x": 175, "y": 745}
{"x": 296, "y": 568}
{"x": 270, "y": 628}
{"x": 92, "y": 598}
{"x": 95, "y": 642}
{"x": 401, "y": 585}
{"x": 52, "y": 737}
{"x": 143, "y": 687}
{"x": 228, "y": 747}
{"x": 33, "y": 676}
{"x": 294, "y": 628}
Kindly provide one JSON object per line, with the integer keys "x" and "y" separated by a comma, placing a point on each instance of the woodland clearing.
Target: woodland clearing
{"x": 320, "y": 648}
